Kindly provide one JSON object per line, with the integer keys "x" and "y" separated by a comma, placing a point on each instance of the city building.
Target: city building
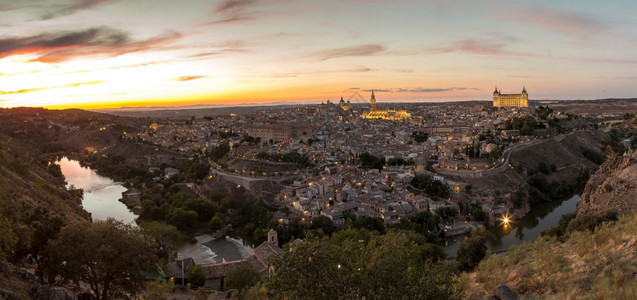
{"x": 375, "y": 113}
{"x": 510, "y": 100}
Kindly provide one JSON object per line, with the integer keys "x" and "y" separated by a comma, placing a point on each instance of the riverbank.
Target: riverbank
{"x": 527, "y": 228}
{"x": 101, "y": 195}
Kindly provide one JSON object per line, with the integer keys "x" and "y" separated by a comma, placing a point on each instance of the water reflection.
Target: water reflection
{"x": 101, "y": 194}
{"x": 528, "y": 228}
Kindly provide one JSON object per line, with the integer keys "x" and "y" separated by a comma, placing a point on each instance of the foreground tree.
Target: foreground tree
{"x": 242, "y": 278}
{"x": 112, "y": 258}
{"x": 353, "y": 264}
{"x": 472, "y": 250}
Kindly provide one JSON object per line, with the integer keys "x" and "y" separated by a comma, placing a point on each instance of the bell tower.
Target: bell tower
{"x": 273, "y": 237}
{"x": 372, "y": 102}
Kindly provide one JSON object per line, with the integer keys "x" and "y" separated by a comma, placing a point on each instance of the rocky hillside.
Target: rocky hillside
{"x": 599, "y": 265}
{"x": 565, "y": 151}
{"x": 28, "y": 181}
{"x": 612, "y": 188}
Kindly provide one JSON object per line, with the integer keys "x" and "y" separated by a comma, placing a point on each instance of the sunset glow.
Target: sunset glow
{"x": 114, "y": 53}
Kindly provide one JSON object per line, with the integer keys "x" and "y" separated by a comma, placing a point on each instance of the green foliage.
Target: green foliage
{"x": 399, "y": 161}
{"x": 559, "y": 229}
{"x": 543, "y": 112}
{"x": 543, "y": 167}
{"x": 216, "y": 222}
{"x": 543, "y": 191}
{"x": 167, "y": 238}
{"x": 219, "y": 151}
{"x": 251, "y": 140}
{"x": 42, "y": 226}
{"x": 422, "y": 222}
{"x": 471, "y": 252}
{"x": 196, "y": 276}
{"x": 495, "y": 154}
{"x": 301, "y": 160}
{"x": 419, "y": 136}
{"x": 184, "y": 220}
{"x": 353, "y": 264}
{"x": 107, "y": 255}
{"x": 447, "y": 212}
{"x": 431, "y": 187}
{"x": 590, "y": 222}
{"x": 369, "y": 161}
{"x": 52, "y": 147}
{"x": 158, "y": 289}
{"x": 322, "y": 224}
{"x": 242, "y": 277}
{"x": 369, "y": 223}
{"x": 593, "y": 156}
{"x": 526, "y": 124}
{"x": 8, "y": 238}
{"x": 194, "y": 170}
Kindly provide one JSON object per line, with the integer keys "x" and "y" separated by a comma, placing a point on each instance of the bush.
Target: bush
{"x": 196, "y": 276}
{"x": 242, "y": 277}
{"x": 471, "y": 252}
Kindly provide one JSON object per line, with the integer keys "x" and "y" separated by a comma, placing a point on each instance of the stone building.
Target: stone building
{"x": 510, "y": 100}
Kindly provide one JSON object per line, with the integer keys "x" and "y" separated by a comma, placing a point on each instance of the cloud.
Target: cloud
{"x": 362, "y": 50}
{"x": 72, "y": 7}
{"x": 420, "y": 90}
{"x": 233, "y": 11}
{"x": 189, "y": 77}
{"x": 564, "y": 23}
{"x": 23, "y": 91}
{"x": 62, "y": 46}
{"x": 481, "y": 47}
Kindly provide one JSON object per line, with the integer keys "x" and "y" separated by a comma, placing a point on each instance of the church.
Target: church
{"x": 510, "y": 100}
{"x": 375, "y": 113}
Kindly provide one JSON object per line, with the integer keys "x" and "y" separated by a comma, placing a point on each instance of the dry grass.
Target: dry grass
{"x": 599, "y": 265}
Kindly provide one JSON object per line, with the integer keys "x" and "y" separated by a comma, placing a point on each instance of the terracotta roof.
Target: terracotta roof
{"x": 220, "y": 270}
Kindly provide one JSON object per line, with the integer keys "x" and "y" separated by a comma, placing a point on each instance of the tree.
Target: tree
{"x": 242, "y": 277}
{"x": 196, "y": 276}
{"x": 471, "y": 252}
{"x": 322, "y": 224}
{"x": 8, "y": 238}
{"x": 419, "y": 136}
{"x": 355, "y": 264}
{"x": 167, "y": 238}
{"x": 109, "y": 256}
{"x": 42, "y": 226}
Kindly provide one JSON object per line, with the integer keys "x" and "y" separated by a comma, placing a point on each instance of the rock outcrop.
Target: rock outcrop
{"x": 46, "y": 292}
{"x": 612, "y": 188}
{"x": 503, "y": 292}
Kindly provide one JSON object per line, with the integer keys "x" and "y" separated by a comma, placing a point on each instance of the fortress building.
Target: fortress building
{"x": 375, "y": 113}
{"x": 510, "y": 100}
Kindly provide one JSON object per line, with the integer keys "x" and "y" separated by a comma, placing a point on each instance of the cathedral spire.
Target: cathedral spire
{"x": 372, "y": 102}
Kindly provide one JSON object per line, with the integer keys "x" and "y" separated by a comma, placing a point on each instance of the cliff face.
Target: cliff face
{"x": 612, "y": 188}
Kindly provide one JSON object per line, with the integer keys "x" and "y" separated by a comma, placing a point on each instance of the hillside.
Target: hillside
{"x": 27, "y": 181}
{"x": 563, "y": 151}
{"x": 599, "y": 265}
{"x": 612, "y": 188}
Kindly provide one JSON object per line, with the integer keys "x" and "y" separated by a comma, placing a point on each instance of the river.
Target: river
{"x": 101, "y": 194}
{"x": 528, "y": 228}
{"x": 101, "y": 199}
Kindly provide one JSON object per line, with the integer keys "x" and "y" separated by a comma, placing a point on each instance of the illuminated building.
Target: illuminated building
{"x": 510, "y": 100}
{"x": 390, "y": 114}
{"x": 344, "y": 105}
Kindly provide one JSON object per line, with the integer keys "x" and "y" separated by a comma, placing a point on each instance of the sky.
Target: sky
{"x": 123, "y": 53}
